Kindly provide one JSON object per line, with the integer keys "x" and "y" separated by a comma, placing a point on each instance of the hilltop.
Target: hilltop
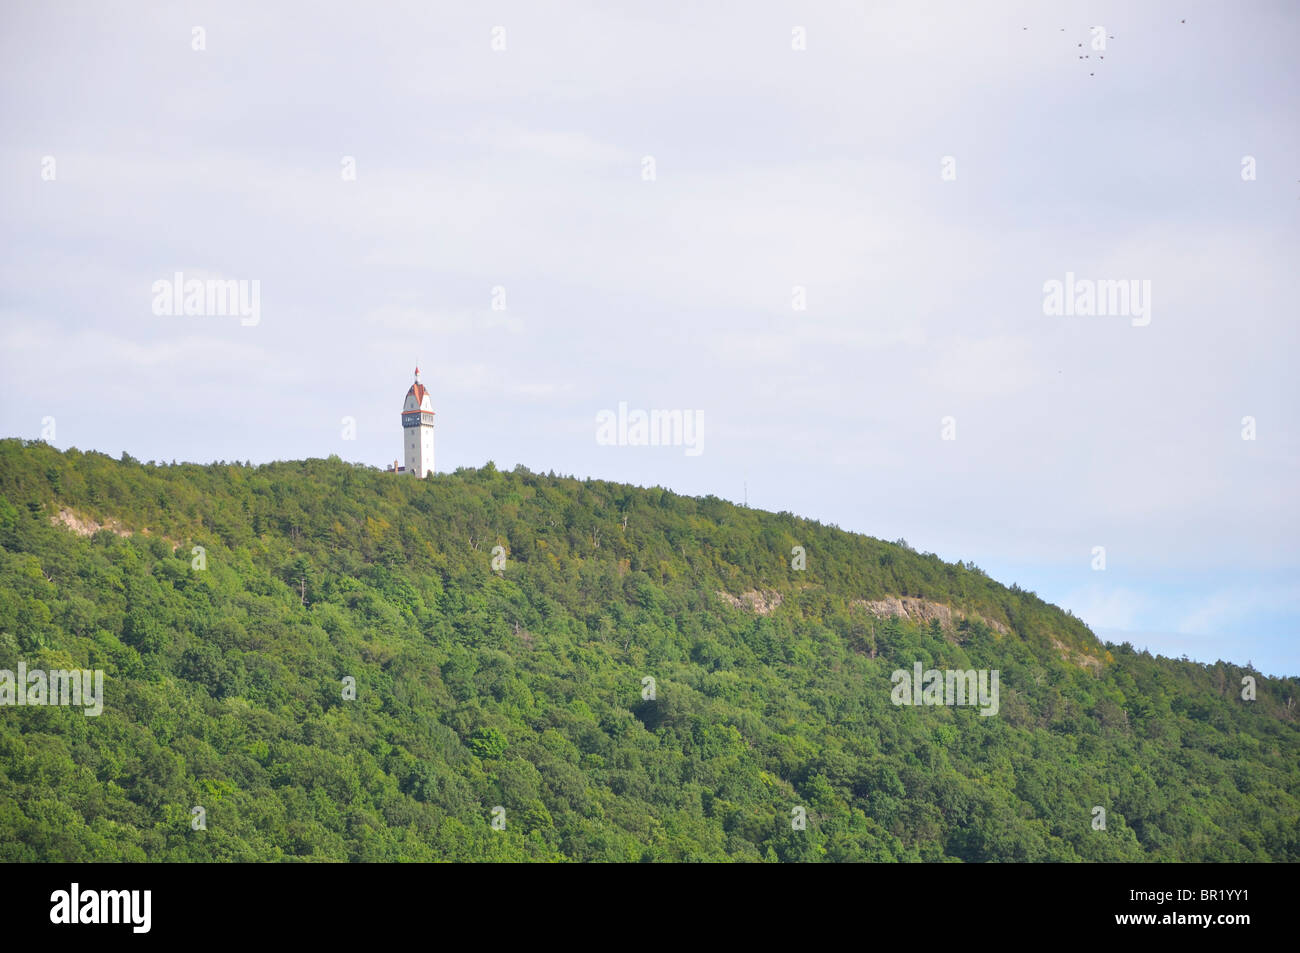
{"x": 499, "y": 629}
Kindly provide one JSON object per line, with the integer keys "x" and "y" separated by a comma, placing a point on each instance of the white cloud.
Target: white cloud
{"x": 1104, "y": 607}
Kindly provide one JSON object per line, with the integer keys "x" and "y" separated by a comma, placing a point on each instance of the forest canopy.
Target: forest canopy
{"x": 336, "y": 663}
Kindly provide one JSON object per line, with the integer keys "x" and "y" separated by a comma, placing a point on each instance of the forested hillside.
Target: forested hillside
{"x": 520, "y": 686}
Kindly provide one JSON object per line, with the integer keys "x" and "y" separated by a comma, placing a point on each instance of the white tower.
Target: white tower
{"x": 417, "y": 429}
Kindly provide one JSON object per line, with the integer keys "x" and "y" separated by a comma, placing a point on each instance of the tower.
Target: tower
{"x": 417, "y": 429}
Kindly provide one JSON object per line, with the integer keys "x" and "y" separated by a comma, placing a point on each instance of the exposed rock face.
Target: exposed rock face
{"x": 761, "y": 601}
{"x": 921, "y": 612}
{"x": 86, "y": 526}
{"x": 1082, "y": 659}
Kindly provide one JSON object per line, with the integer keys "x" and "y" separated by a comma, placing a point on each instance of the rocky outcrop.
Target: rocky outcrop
{"x": 1081, "y": 659}
{"x": 920, "y": 612}
{"x": 760, "y": 601}
{"x": 85, "y": 526}
{"x": 917, "y": 611}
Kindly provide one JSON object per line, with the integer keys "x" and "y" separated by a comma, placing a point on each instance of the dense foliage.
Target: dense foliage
{"x": 522, "y": 688}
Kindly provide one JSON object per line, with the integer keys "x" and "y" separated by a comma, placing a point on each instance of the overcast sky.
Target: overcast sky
{"x": 523, "y": 169}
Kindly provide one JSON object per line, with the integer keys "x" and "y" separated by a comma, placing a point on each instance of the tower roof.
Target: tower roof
{"x": 418, "y": 389}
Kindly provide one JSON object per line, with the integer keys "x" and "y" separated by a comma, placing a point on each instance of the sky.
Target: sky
{"x": 827, "y": 230}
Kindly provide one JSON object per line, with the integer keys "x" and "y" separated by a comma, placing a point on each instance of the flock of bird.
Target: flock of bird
{"x": 1088, "y": 56}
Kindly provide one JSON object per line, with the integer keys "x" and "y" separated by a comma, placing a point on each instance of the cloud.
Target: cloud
{"x": 427, "y": 321}
{"x": 1103, "y": 607}
{"x": 1233, "y": 610}
{"x": 562, "y": 145}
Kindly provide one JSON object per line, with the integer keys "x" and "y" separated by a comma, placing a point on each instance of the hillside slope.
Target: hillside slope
{"x": 521, "y": 687}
